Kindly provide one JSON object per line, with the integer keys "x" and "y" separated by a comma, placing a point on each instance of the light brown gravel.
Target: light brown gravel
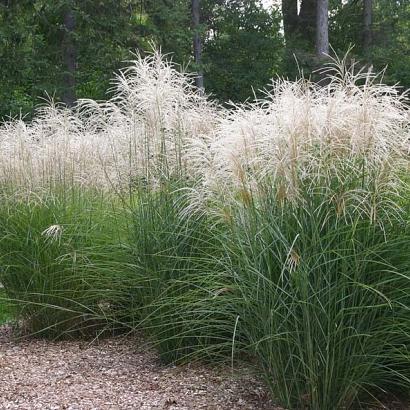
{"x": 113, "y": 374}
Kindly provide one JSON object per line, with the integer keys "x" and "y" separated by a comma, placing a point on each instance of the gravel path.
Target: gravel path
{"x": 114, "y": 374}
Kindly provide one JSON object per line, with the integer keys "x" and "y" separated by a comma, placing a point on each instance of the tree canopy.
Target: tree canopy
{"x": 69, "y": 49}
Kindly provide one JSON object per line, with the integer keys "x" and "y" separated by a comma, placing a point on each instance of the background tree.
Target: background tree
{"x": 367, "y": 25}
{"x": 109, "y": 31}
{"x": 69, "y": 55}
{"x": 22, "y": 57}
{"x": 290, "y": 19}
{"x": 243, "y": 49}
{"x": 70, "y": 48}
{"x": 196, "y": 23}
{"x": 307, "y": 22}
{"x": 322, "y": 28}
{"x": 169, "y": 24}
{"x": 300, "y": 36}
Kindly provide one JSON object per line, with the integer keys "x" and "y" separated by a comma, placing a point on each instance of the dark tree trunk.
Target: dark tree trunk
{"x": 367, "y": 25}
{"x": 322, "y": 28}
{"x": 307, "y": 21}
{"x": 196, "y": 21}
{"x": 69, "y": 57}
{"x": 290, "y": 18}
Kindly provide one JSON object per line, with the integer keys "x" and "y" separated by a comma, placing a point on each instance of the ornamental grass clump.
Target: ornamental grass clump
{"x": 350, "y": 137}
{"x": 309, "y": 184}
{"x": 133, "y": 143}
{"x": 139, "y": 136}
{"x": 278, "y": 228}
{"x": 325, "y": 300}
{"x": 188, "y": 304}
{"x": 62, "y": 263}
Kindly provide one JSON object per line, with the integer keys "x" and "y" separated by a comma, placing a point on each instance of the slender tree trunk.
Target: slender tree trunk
{"x": 69, "y": 57}
{"x": 322, "y": 28}
{"x": 290, "y": 18}
{"x": 307, "y": 21}
{"x": 196, "y": 17}
{"x": 367, "y": 25}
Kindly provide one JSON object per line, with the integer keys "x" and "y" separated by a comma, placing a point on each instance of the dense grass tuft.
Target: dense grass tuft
{"x": 326, "y": 307}
{"x": 61, "y": 261}
{"x": 278, "y": 229}
{"x": 187, "y": 304}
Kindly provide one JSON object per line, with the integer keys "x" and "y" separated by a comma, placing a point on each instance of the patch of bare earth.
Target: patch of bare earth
{"x": 118, "y": 373}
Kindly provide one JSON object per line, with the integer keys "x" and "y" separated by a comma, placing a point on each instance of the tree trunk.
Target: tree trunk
{"x": 367, "y": 25}
{"x": 69, "y": 57}
{"x": 196, "y": 16}
{"x": 290, "y": 18}
{"x": 322, "y": 28}
{"x": 307, "y": 21}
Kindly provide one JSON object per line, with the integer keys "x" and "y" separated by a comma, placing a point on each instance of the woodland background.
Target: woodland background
{"x": 69, "y": 49}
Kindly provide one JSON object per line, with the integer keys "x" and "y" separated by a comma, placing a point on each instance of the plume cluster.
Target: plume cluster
{"x": 158, "y": 126}
{"x": 350, "y": 136}
{"x": 140, "y": 134}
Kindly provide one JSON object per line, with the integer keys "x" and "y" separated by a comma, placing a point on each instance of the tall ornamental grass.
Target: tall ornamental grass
{"x": 187, "y": 302}
{"x": 62, "y": 263}
{"x": 326, "y": 300}
{"x": 309, "y": 182}
{"x": 277, "y": 228}
{"x": 139, "y": 136}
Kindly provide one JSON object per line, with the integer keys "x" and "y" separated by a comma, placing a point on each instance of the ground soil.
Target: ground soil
{"x": 116, "y": 373}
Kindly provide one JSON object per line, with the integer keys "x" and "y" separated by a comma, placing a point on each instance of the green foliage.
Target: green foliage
{"x": 169, "y": 25}
{"x": 326, "y": 299}
{"x": 22, "y": 73}
{"x": 390, "y": 36}
{"x": 31, "y": 36}
{"x": 186, "y": 304}
{"x": 62, "y": 264}
{"x": 5, "y": 308}
{"x": 107, "y": 32}
{"x": 391, "y": 47}
{"x": 317, "y": 296}
{"x": 243, "y": 46}
{"x": 390, "y": 40}
{"x": 243, "y": 51}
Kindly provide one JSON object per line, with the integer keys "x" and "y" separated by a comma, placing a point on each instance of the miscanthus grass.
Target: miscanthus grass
{"x": 309, "y": 183}
{"x": 350, "y": 136}
{"x": 277, "y": 228}
{"x": 139, "y": 136}
{"x": 188, "y": 304}
{"x": 325, "y": 300}
{"x": 62, "y": 263}
{"x": 5, "y": 308}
